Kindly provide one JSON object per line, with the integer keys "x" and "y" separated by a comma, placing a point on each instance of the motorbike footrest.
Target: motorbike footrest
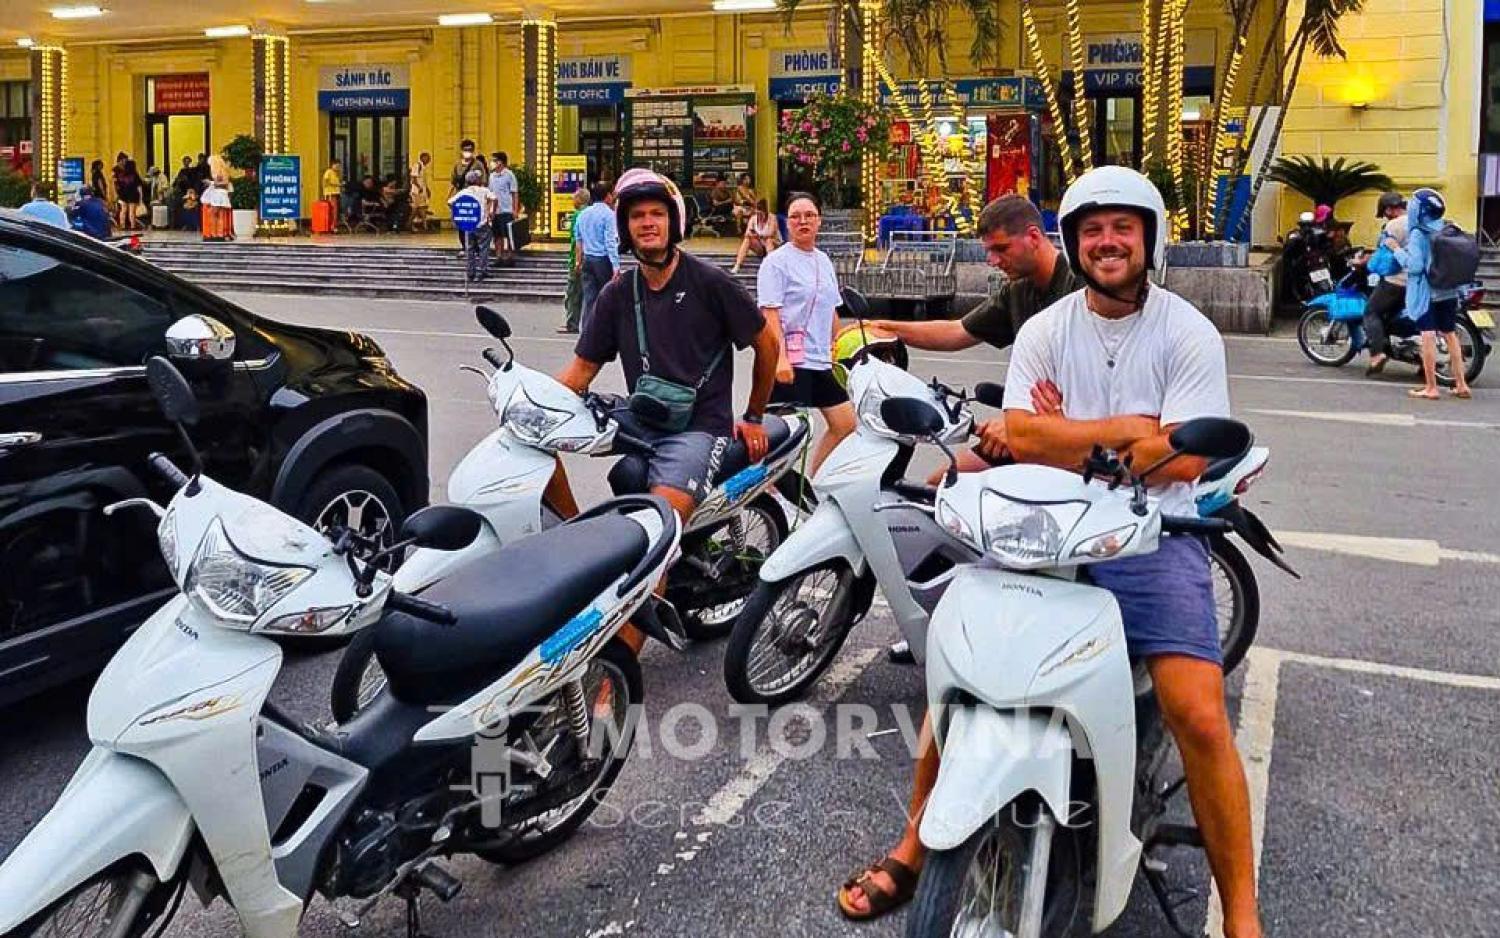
{"x": 1177, "y": 835}
{"x": 438, "y": 881}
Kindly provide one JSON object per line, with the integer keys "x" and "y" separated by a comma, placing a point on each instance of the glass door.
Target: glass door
{"x": 369, "y": 145}
{"x": 170, "y": 137}
{"x": 601, "y": 140}
{"x": 1117, "y": 130}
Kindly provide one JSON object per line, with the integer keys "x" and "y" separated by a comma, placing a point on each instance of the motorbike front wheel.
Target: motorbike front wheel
{"x": 788, "y": 634}
{"x": 1236, "y": 600}
{"x": 123, "y": 900}
{"x": 977, "y": 887}
{"x": 1324, "y": 341}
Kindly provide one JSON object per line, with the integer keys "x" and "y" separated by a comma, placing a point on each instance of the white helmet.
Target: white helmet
{"x": 1114, "y": 187}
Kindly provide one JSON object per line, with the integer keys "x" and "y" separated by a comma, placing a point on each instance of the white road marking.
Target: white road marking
{"x": 1417, "y": 552}
{"x": 1360, "y": 666}
{"x": 1375, "y": 419}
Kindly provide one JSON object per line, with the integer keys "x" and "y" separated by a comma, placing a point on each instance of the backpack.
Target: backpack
{"x": 1455, "y": 258}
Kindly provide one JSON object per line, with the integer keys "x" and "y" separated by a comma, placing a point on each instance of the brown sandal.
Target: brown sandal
{"x": 880, "y": 902}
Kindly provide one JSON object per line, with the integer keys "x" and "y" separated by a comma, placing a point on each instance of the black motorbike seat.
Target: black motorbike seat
{"x": 506, "y": 604}
{"x": 628, "y": 476}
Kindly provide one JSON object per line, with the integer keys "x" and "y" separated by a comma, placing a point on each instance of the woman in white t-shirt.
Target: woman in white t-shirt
{"x": 798, "y": 289}
{"x": 761, "y": 235}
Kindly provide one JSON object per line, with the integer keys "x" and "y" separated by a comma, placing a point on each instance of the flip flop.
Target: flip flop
{"x": 880, "y": 902}
{"x": 1461, "y": 395}
{"x": 1419, "y": 394}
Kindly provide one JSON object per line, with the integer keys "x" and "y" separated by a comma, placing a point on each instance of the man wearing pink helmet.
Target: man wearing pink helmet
{"x": 674, "y": 323}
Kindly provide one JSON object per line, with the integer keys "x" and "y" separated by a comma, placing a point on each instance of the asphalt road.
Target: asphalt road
{"x": 1368, "y": 722}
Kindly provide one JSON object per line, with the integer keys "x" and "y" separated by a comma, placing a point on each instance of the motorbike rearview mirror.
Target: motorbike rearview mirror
{"x": 855, "y": 304}
{"x": 1212, "y": 438}
{"x": 493, "y": 322}
{"x": 178, "y": 404}
{"x": 990, "y": 394}
{"x": 911, "y": 417}
{"x": 442, "y": 527}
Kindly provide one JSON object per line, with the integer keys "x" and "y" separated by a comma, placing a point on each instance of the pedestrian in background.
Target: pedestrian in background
{"x": 332, "y": 190}
{"x": 573, "y": 299}
{"x": 1388, "y": 299}
{"x": 218, "y": 215}
{"x": 421, "y": 191}
{"x": 1433, "y": 309}
{"x": 505, "y": 187}
{"x": 477, "y": 242}
{"x": 798, "y": 289}
{"x": 599, "y": 248}
{"x": 96, "y": 181}
{"x": 469, "y": 160}
{"x": 762, "y": 236}
{"x": 130, "y": 190}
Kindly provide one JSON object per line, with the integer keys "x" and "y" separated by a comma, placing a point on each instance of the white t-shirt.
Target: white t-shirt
{"x": 1399, "y": 229}
{"x": 803, "y": 287}
{"x": 1168, "y": 362}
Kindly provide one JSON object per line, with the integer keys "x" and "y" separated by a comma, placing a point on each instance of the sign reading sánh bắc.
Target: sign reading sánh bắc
{"x": 593, "y": 79}
{"x": 280, "y": 188}
{"x": 364, "y": 88}
{"x": 798, "y": 74}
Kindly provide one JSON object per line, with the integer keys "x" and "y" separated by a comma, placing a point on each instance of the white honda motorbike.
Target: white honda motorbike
{"x": 505, "y": 475}
{"x": 1055, "y": 774}
{"x": 508, "y": 716}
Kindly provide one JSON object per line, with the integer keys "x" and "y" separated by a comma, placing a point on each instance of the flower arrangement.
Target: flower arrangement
{"x": 829, "y": 136}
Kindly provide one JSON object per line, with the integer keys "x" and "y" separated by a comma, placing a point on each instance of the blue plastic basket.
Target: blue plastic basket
{"x": 1347, "y": 307}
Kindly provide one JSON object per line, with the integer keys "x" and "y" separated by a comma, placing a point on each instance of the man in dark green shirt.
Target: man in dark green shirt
{"x": 1036, "y": 277}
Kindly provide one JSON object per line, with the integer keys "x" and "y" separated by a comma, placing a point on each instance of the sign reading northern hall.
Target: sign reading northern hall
{"x": 364, "y": 88}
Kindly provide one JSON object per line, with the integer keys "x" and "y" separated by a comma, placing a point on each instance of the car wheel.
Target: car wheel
{"x": 353, "y": 496}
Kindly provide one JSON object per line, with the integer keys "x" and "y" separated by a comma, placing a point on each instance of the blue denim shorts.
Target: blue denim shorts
{"x": 1166, "y": 600}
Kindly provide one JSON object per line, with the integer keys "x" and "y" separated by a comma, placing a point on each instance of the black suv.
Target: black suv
{"x": 314, "y": 420}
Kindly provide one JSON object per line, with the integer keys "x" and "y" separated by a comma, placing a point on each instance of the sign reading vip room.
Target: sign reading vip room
{"x": 593, "y": 79}
{"x": 364, "y": 88}
{"x": 798, "y": 74}
{"x": 1112, "y": 62}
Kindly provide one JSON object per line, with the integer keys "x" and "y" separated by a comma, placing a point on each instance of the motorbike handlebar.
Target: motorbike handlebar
{"x": 168, "y": 470}
{"x": 1180, "y": 525}
{"x": 633, "y": 444}
{"x": 420, "y": 608}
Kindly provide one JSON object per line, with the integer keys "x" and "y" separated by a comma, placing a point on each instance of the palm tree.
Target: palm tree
{"x": 921, "y": 28}
{"x": 1319, "y": 28}
{"x": 1326, "y": 183}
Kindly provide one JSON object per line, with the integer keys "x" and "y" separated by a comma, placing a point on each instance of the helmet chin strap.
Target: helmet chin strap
{"x": 1138, "y": 301}
{"x": 664, "y": 263}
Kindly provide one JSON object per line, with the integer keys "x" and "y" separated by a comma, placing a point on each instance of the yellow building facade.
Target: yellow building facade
{"x": 1406, "y": 99}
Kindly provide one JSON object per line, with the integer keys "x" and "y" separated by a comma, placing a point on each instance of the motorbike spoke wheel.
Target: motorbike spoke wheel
{"x": 1236, "y": 601}
{"x": 97, "y": 907}
{"x": 789, "y": 633}
{"x": 1468, "y": 343}
{"x": 742, "y": 546}
{"x": 1325, "y": 342}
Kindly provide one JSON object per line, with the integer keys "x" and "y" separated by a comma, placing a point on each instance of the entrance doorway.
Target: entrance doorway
{"x": 370, "y": 144}
{"x": 171, "y": 137}
{"x": 601, "y": 140}
{"x": 1117, "y": 130}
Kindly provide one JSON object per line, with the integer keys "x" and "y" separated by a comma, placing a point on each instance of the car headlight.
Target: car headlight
{"x": 1027, "y": 533}
{"x": 1106, "y": 545}
{"x": 310, "y": 622}
{"x": 227, "y": 585}
{"x": 528, "y": 420}
{"x": 166, "y": 537}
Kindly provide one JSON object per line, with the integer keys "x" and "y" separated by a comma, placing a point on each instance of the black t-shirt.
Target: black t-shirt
{"x": 700, "y": 311}
{"x": 998, "y": 319}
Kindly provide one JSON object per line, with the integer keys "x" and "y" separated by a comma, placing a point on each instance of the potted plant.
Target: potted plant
{"x": 243, "y": 153}
{"x": 829, "y": 137}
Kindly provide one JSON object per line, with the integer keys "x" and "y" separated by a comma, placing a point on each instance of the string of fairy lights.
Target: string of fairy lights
{"x": 52, "y": 124}
{"x": 542, "y": 35}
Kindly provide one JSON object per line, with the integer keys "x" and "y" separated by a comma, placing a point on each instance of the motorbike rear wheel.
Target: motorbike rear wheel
{"x": 1470, "y": 342}
{"x": 761, "y": 529}
{"x": 976, "y": 888}
{"x": 1324, "y": 341}
{"x": 1236, "y": 600}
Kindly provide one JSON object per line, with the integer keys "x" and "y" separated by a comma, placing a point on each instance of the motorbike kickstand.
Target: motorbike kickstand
{"x": 413, "y": 896}
{"x": 1156, "y": 878}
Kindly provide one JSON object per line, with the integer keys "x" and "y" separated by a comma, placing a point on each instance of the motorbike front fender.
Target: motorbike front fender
{"x": 825, "y": 535}
{"x": 990, "y": 757}
{"x": 115, "y": 807}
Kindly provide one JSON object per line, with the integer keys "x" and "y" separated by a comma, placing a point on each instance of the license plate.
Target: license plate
{"x": 1482, "y": 318}
{"x": 1320, "y": 275}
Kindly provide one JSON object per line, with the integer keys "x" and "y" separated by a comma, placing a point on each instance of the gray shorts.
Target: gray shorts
{"x": 685, "y": 461}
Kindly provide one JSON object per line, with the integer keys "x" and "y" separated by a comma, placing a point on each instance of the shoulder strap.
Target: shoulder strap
{"x": 640, "y": 334}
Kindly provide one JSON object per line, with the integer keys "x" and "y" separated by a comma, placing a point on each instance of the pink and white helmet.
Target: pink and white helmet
{"x": 641, "y": 183}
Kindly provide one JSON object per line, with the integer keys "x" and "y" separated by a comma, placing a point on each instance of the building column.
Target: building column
{"x": 539, "y": 53}
{"x": 49, "y": 109}
{"x": 871, "y": 28}
{"x": 273, "y": 92}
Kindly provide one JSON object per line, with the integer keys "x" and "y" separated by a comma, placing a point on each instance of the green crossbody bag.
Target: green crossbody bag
{"x": 657, "y": 402}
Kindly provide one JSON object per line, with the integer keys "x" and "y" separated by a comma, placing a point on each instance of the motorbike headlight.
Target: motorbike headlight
{"x": 166, "y": 537}
{"x": 1106, "y": 545}
{"x": 528, "y": 420}
{"x": 869, "y": 411}
{"x": 572, "y": 444}
{"x": 227, "y": 585}
{"x": 311, "y": 622}
{"x": 1027, "y": 534}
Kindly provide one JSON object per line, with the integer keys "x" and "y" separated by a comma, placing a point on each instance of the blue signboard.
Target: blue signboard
{"x": 466, "y": 212}
{"x": 800, "y": 89}
{"x": 364, "y": 88}
{"x": 69, "y": 177}
{"x": 364, "y": 100}
{"x": 588, "y": 95}
{"x": 798, "y": 74}
{"x": 280, "y": 188}
{"x": 1196, "y": 79}
{"x": 593, "y": 79}
{"x": 1492, "y": 11}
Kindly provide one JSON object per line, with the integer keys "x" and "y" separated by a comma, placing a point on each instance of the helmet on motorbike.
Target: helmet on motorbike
{"x": 1113, "y": 187}
{"x": 1388, "y": 201}
{"x": 852, "y": 338}
{"x": 639, "y": 184}
{"x": 1322, "y": 214}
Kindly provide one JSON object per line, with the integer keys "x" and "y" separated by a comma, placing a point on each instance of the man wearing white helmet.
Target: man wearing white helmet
{"x": 674, "y": 323}
{"x": 1119, "y": 364}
